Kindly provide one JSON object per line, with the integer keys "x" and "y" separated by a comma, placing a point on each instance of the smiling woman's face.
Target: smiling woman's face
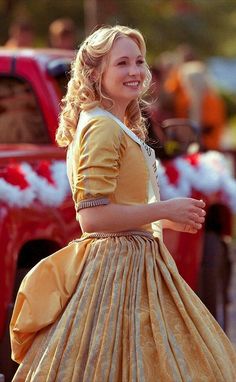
{"x": 124, "y": 73}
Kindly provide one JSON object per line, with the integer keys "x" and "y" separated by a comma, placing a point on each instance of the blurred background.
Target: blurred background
{"x": 206, "y": 26}
{"x": 191, "y": 50}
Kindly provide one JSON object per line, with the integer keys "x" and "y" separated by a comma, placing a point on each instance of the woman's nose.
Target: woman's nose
{"x": 134, "y": 70}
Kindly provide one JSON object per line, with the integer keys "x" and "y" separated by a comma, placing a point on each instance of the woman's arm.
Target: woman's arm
{"x": 117, "y": 217}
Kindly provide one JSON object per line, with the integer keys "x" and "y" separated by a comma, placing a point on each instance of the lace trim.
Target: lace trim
{"x": 92, "y": 203}
{"x": 118, "y": 234}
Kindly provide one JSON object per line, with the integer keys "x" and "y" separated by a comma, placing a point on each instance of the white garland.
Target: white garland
{"x": 211, "y": 174}
{"x": 39, "y": 188}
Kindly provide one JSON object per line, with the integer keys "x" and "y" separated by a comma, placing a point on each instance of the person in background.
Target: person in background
{"x": 21, "y": 35}
{"x": 160, "y": 107}
{"x": 62, "y": 34}
{"x": 194, "y": 97}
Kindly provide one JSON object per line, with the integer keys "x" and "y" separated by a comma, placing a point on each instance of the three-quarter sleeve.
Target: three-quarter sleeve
{"x": 96, "y": 159}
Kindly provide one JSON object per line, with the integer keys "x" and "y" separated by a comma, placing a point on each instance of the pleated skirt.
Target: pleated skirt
{"x": 131, "y": 318}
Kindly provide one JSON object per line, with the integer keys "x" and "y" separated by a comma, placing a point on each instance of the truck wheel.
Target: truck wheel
{"x": 213, "y": 277}
{"x": 30, "y": 254}
{"x": 7, "y": 366}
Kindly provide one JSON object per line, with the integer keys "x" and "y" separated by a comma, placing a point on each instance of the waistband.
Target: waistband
{"x": 103, "y": 235}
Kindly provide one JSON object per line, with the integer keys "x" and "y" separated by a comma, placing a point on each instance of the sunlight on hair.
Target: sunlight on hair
{"x": 85, "y": 91}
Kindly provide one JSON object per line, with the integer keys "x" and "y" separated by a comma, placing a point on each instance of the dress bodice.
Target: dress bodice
{"x": 106, "y": 166}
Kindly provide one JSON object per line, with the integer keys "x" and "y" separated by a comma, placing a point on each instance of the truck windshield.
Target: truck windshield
{"x": 21, "y": 120}
{"x": 59, "y": 70}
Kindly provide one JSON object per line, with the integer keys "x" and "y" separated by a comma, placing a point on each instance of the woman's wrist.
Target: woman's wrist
{"x": 163, "y": 211}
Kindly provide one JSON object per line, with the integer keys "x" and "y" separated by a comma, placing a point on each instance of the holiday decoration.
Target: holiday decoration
{"x": 22, "y": 184}
{"x": 204, "y": 172}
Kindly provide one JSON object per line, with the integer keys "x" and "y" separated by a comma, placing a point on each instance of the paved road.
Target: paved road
{"x": 231, "y": 308}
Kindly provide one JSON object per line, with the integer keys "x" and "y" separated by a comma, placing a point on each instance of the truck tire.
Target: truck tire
{"x": 7, "y": 366}
{"x": 30, "y": 254}
{"x": 213, "y": 281}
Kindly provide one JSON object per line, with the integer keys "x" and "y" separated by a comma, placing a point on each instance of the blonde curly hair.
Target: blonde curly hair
{"x": 85, "y": 91}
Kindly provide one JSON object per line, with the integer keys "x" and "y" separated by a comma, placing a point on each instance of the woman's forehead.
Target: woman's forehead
{"x": 124, "y": 47}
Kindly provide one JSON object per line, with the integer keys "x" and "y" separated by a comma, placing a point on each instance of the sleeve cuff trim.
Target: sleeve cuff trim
{"x": 92, "y": 203}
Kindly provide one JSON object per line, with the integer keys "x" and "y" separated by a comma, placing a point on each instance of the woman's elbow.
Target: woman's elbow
{"x": 89, "y": 220}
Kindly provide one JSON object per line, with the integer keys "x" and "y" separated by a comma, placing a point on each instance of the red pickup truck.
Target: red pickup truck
{"x": 36, "y": 211}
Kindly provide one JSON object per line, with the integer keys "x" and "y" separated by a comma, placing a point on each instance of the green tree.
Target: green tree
{"x": 209, "y": 26}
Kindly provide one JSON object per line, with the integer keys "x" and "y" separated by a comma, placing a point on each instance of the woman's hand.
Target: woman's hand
{"x": 179, "y": 227}
{"x": 185, "y": 214}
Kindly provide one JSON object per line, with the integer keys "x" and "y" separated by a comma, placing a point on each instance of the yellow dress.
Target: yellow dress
{"x": 113, "y": 307}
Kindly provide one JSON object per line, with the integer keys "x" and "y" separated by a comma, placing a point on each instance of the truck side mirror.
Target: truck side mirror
{"x": 181, "y": 136}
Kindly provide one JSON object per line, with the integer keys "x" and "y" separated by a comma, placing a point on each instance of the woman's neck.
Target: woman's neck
{"x": 118, "y": 114}
{"x": 117, "y": 111}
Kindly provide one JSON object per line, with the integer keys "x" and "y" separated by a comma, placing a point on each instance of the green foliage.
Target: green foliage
{"x": 209, "y": 26}
{"x": 41, "y": 13}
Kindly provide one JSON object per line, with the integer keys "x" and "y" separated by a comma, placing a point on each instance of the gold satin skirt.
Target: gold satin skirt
{"x": 130, "y": 318}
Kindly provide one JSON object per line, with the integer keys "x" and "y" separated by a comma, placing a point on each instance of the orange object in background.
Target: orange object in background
{"x": 194, "y": 97}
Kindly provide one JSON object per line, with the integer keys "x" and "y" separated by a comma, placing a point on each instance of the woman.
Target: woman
{"x": 112, "y": 306}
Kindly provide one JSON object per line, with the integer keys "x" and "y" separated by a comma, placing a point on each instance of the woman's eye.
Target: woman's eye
{"x": 140, "y": 62}
{"x": 122, "y": 63}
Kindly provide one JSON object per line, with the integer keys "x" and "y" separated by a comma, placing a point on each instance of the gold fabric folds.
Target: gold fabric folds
{"x": 106, "y": 163}
{"x": 44, "y": 292}
{"x": 114, "y": 308}
{"x": 130, "y": 318}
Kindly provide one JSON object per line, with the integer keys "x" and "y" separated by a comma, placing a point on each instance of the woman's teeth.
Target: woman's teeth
{"x": 133, "y": 83}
